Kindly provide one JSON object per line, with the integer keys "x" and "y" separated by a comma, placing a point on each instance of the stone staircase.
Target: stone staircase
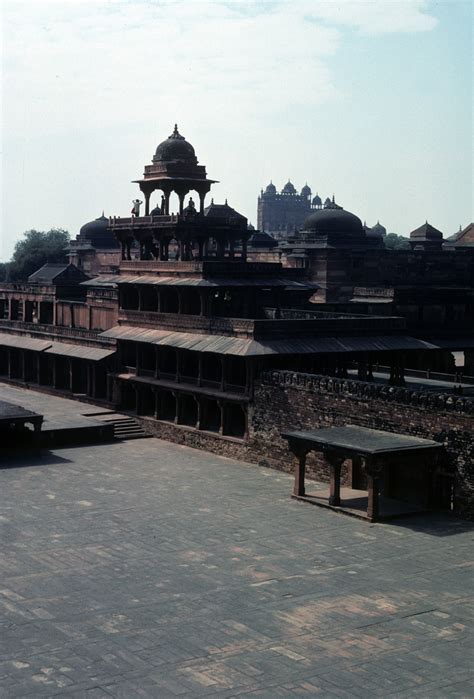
{"x": 125, "y": 427}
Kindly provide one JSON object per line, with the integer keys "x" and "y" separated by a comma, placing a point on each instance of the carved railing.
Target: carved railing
{"x": 188, "y": 323}
{"x": 415, "y": 397}
{"x": 57, "y": 331}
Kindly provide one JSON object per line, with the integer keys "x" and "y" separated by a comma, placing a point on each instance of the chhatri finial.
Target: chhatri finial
{"x": 333, "y": 200}
{"x": 103, "y": 213}
{"x": 175, "y": 129}
{"x": 226, "y": 201}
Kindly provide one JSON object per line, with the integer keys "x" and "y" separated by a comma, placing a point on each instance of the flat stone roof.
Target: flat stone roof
{"x": 362, "y": 440}
{"x": 12, "y": 412}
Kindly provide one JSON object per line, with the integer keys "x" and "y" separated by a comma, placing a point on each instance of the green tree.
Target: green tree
{"x": 396, "y": 242}
{"x": 4, "y": 271}
{"x": 35, "y": 249}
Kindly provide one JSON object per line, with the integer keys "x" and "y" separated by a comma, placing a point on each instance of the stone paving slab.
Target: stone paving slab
{"x": 147, "y": 569}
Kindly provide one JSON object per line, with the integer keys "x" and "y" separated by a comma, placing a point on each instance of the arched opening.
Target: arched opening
{"x": 62, "y": 377}
{"x": 169, "y": 300}
{"x": 78, "y": 376}
{"x": 149, "y": 298}
{"x": 211, "y": 370}
{"x": 189, "y": 367}
{"x": 147, "y": 360}
{"x": 235, "y": 420}
{"x": 46, "y": 312}
{"x": 128, "y": 398}
{"x": 211, "y": 415}
{"x": 188, "y": 410}
{"x": 167, "y": 363}
{"x": 100, "y": 379}
{"x": 128, "y": 354}
{"x": 235, "y": 373}
{"x": 146, "y": 400}
{"x": 168, "y": 406}
{"x": 3, "y": 361}
{"x": 16, "y": 364}
{"x": 192, "y": 301}
{"x": 129, "y": 297}
{"x": 46, "y": 370}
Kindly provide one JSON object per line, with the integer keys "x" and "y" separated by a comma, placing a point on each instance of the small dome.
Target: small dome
{"x": 156, "y": 211}
{"x": 175, "y": 148}
{"x": 270, "y": 188}
{"x": 317, "y": 201}
{"x": 378, "y": 229}
{"x": 288, "y": 188}
{"x": 98, "y": 233}
{"x": 306, "y": 191}
{"x": 326, "y": 221}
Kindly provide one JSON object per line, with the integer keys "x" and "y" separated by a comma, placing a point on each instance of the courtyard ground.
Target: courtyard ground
{"x": 146, "y": 569}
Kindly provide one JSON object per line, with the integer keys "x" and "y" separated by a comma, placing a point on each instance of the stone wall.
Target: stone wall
{"x": 286, "y": 400}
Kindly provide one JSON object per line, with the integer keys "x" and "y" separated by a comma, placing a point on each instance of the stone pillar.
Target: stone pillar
{"x": 221, "y": 406}
{"x": 181, "y": 202}
{"x": 300, "y": 470}
{"x": 335, "y": 463}
{"x": 157, "y": 404}
{"x": 37, "y": 435}
{"x": 244, "y": 250}
{"x": 167, "y": 202}
{"x": 199, "y": 410}
{"x": 178, "y": 366}
{"x": 202, "y": 197}
{"x": 200, "y": 359}
{"x": 223, "y": 366}
{"x": 373, "y": 470}
{"x": 147, "y": 203}
{"x": 373, "y": 497}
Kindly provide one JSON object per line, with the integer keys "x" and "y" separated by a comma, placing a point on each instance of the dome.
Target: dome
{"x": 98, "y": 232}
{"x": 317, "y": 201}
{"x": 326, "y": 221}
{"x": 270, "y": 189}
{"x": 175, "y": 148}
{"x": 306, "y": 191}
{"x": 288, "y": 188}
{"x": 378, "y": 229}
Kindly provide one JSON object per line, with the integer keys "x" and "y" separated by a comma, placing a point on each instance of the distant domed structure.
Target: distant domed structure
{"x": 270, "y": 188}
{"x": 306, "y": 191}
{"x": 175, "y": 148}
{"x": 332, "y": 221}
{"x": 289, "y": 188}
{"x": 97, "y": 232}
{"x": 317, "y": 201}
{"x": 378, "y": 229}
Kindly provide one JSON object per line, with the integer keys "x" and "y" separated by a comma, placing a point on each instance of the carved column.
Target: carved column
{"x": 147, "y": 203}
{"x": 335, "y": 463}
{"x": 373, "y": 470}
{"x": 300, "y": 471}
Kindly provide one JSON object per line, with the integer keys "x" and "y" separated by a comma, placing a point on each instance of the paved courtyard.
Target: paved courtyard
{"x": 145, "y": 569}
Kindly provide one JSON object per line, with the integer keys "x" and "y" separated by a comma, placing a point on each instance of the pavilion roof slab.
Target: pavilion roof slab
{"x": 24, "y": 342}
{"x": 361, "y": 440}
{"x": 245, "y": 347}
{"x": 95, "y": 354}
{"x": 214, "y": 282}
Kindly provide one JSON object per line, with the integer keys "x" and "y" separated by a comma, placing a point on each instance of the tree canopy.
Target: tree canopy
{"x": 35, "y": 249}
{"x": 396, "y": 242}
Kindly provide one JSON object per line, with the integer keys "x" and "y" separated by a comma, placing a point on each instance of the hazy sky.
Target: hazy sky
{"x": 371, "y": 101}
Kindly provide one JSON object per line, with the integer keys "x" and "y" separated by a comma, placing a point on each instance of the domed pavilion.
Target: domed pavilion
{"x": 174, "y": 168}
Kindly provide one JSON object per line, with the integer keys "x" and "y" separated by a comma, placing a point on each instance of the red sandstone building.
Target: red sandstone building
{"x": 186, "y": 332}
